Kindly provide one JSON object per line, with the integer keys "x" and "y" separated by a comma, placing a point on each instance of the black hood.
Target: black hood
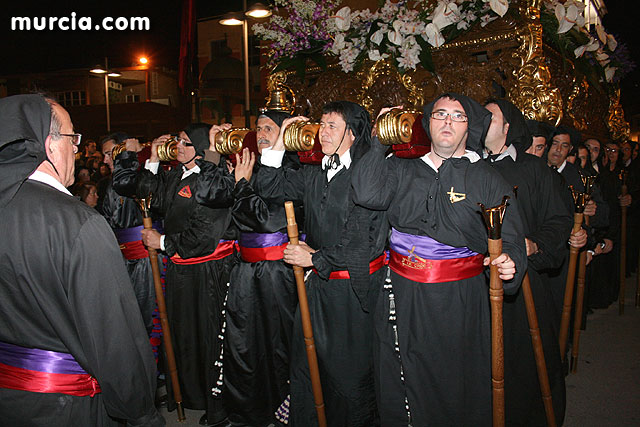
{"x": 479, "y": 119}
{"x": 358, "y": 121}
{"x": 518, "y": 134}
{"x": 199, "y": 135}
{"x": 277, "y": 116}
{"x": 24, "y": 127}
{"x": 542, "y": 129}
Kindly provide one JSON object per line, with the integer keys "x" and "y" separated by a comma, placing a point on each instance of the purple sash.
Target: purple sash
{"x": 262, "y": 240}
{"x": 35, "y": 359}
{"x": 132, "y": 234}
{"x": 425, "y": 247}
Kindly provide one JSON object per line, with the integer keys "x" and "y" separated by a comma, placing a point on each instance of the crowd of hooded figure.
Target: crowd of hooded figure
{"x": 394, "y": 248}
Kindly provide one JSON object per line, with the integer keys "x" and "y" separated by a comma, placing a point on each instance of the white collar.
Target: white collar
{"x": 471, "y": 155}
{"x": 45, "y": 178}
{"x": 561, "y": 167}
{"x": 345, "y": 160}
{"x": 186, "y": 172}
{"x": 510, "y": 152}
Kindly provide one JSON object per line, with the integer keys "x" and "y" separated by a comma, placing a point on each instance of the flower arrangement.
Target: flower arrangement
{"x": 596, "y": 55}
{"x": 405, "y": 31}
{"x": 303, "y": 32}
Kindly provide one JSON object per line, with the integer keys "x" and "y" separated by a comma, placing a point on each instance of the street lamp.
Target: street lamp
{"x": 257, "y": 10}
{"x": 98, "y": 69}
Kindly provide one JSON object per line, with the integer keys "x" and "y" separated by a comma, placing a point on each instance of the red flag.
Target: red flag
{"x": 187, "y": 41}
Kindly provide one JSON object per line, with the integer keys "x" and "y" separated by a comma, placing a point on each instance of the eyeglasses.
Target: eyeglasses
{"x": 75, "y": 137}
{"x": 185, "y": 142}
{"x": 455, "y": 117}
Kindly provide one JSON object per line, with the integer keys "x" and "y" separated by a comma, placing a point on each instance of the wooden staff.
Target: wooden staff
{"x": 588, "y": 182}
{"x": 493, "y": 219}
{"x": 623, "y": 244}
{"x": 307, "y": 330}
{"x": 162, "y": 311}
{"x": 577, "y": 317}
{"x": 579, "y": 203}
{"x": 538, "y": 352}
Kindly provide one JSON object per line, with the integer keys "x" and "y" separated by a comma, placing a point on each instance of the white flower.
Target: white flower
{"x": 462, "y": 25}
{"x": 338, "y": 44}
{"x": 611, "y": 42}
{"x": 395, "y": 36}
{"x": 433, "y": 36}
{"x": 567, "y": 18}
{"x": 348, "y": 57}
{"x": 343, "y": 19}
{"x": 590, "y": 47}
{"x": 602, "y": 57}
{"x": 485, "y": 19}
{"x": 499, "y": 6}
{"x": 374, "y": 55}
{"x": 377, "y": 36}
{"x": 609, "y": 72}
{"x": 445, "y": 14}
{"x": 602, "y": 35}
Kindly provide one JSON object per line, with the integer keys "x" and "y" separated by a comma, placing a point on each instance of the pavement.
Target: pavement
{"x": 605, "y": 390}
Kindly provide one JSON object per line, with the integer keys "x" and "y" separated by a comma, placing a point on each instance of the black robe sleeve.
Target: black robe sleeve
{"x": 100, "y": 295}
{"x": 375, "y": 183}
{"x": 215, "y": 185}
{"x": 252, "y": 213}
{"x": 554, "y": 222}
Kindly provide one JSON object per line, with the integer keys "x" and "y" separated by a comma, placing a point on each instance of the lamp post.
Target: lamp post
{"x": 257, "y": 10}
{"x": 144, "y": 61}
{"x": 105, "y": 71}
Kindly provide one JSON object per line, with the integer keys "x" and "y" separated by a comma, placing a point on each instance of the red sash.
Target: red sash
{"x": 134, "y": 250}
{"x": 224, "y": 249}
{"x": 269, "y": 253}
{"x": 436, "y": 271}
{"x": 44, "y": 382}
{"x": 374, "y": 266}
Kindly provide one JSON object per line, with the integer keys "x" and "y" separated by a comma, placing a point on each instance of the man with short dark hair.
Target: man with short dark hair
{"x": 73, "y": 349}
{"x": 344, "y": 245}
{"x": 432, "y": 341}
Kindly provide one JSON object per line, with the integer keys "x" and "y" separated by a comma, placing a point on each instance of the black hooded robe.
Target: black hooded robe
{"x": 194, "y": 293}
{"x": 547, "y": 222}
{"x": 64, "y": 288}
{"x": 261, "y": 305}
{"x": 346, "y": 238}
{"x": 443, "y": 329}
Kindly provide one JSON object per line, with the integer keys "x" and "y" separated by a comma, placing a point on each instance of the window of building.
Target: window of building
{"x": 131, "y": 98}
{"x": 72, "y": 98}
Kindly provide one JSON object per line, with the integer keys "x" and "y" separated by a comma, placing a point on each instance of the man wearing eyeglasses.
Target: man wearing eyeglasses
{"x": 200, "y": 244}
{"x": 432, "y": 336}
{"x": 73, "y": 349}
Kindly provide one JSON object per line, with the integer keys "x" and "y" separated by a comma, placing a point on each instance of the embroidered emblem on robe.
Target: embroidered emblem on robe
{"x": 456, "y": 197}
{"x": 185, "y": 192}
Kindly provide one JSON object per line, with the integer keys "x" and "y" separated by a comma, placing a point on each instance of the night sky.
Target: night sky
{"x": 29, "y": 51}
{"x": 32, "y": 51}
